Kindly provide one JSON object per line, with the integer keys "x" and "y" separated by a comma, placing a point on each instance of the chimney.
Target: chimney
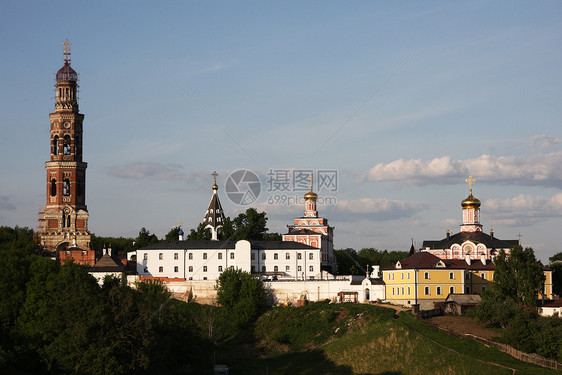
{"x": 467, "y": 258}
{"x": 448, "y": 233}
{"x": 376, "y": 272}
{"x": 483, "y": 259}
{"x": 367, "y": 276}
{"x": 492, "y": 232}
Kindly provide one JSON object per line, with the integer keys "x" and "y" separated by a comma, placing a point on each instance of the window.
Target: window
{"x": 299, "y": 268}
{"x": 204, "y": 255}
{"x": 408, "y": 291}
{"x": 426, "y": 291}
{"x": 190, "y": 268}
{"x": 190, "y": 278}
{"x": 408, "y": 275}
{"x": 467, "y": 276}
{"x": 253, "y": 256}
{"x": 287, "y": 268}
{"x": 160, "y": 256}
{"x": 467, "y": 290}
{"x": 402, "y": 275}
{"x": 231, "y": 255}
{"x": 483, "y": 275}
{"x": 253, "y": 269}
{"x": 275, "y": 269}
{"x": 145, "y": 269}
{"x": 275, "y": 256}
{"x": 160, "y": 269}
{"x": 66, "y": 145}
{"x": 299, "y": 256}
{"x": 311, "y": 268}
{"x": 220, "y": 256}
{"x": 145, "y": 257}
{"x": 426, "y": 275}
{"x": 66, "y": 187}
{"x": 451, "y": 275}
{"x": 263, "y": 256}
{"x": 287, "y": 256}
{"x": 220, "y": 268}
{"x": 402, "y": 290}
{"x": 205, "y": 278}
{"x": 452, "y": 290}
{"x": 176, "y": 256}
{"x": 176, "y": 269}
{"x": 56, "y": 145}
{"x": 204, "y": 268}
{"x": 311, "y": 256}
{"x": 190, "y": 256}
{"x": 262, "y": 268}
{"x": 392, "y": 290}
{"x": 53, "y": 187}
{"x": 439, "y": 291}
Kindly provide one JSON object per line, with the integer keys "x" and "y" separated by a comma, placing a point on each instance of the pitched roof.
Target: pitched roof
{"x": 556, "y": 303}
{"x": 303, "y": 231}
{"x": 214, "y": 216}
{"x": 426, "y": 260}
{"x": 108, "y": 264}
{"x": 476, "y": 237}
{"x": 209, "y": 245}
{"x": 464, "y": 299}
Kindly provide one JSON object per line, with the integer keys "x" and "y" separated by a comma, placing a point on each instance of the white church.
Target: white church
{"x": 301, "y": 266}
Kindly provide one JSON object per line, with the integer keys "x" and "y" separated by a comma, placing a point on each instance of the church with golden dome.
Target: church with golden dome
{"x": 471, "y": 243}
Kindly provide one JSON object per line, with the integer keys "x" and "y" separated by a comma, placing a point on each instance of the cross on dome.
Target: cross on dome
{"x": 470, "y": 181}
{"x": 66, "y": 51}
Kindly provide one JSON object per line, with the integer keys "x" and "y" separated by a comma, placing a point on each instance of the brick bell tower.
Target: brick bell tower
{"x": 63, "y": 225}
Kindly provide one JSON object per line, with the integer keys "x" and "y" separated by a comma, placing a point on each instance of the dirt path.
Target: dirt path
{"x": 462, "y": 325}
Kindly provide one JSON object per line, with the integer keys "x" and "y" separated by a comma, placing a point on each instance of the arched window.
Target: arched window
{"x": 176, "y": 256}
{"x": 311, "y": 256}
{"x": 204, "y": 255}
{"x": 53, "y": 187}
{"x": 275, "y": 268}
{"x": 367, "y": 295}
{"x": 66, "y": 145}
{"x": 56, "y": 145}
{"x": 438, "y": 290}
{"x": 299, "y": 256}
{"x": 190, "y": 268}
{"x": 231, "y": 255}
{"x": 426, "y": 291}
{"x": 176, "y": 268}
{"x": 262, "y": 268}
{"x": 275, "y": 256}
{"x": 220, "y": 256}
{"x": 160, "y": 256}
{"x": 68, "y": 221}
{"x": 220, "y": 268}
{"x": 190, "y": 256}
{"x": 63, "y": 220}
{"x": 66, "y": 187}
{"x": 452, "y": 290}
{"x": 160, "y": 269}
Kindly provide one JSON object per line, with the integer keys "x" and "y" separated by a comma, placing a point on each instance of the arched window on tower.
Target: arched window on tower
{"x": 63, "y": 220}
{"x": 66, "y": 145}
{"x": 66, "y": 187}
{"x": 79, "y": 187}
{"x": 53, "y": 187}
{"x": 68, "y": 221}
{"x": 77, "y": 146}
{"x": 56, "y": 145}
{"x": 67, "y": 93}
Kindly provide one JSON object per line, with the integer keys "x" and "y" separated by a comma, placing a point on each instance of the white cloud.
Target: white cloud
{"x": 543, "y": 142}
{"x": 377, "y": 209}
{"x": 156, "y": 171}
{"x": 5, "y": 204}
{"x": 539, "y": 169}
{"x": 523, "y": 209}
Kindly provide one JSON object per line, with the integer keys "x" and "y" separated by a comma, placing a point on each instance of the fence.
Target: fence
{"x": 522, "y": 356}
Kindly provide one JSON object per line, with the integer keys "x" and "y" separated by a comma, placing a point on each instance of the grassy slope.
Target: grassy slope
{"x": 359, "y": 339}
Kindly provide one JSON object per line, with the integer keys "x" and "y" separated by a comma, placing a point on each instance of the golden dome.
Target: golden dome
{"x": 311, "y": 195}
{"x": 215, "y": 186}
{"x": 470, "y": 202}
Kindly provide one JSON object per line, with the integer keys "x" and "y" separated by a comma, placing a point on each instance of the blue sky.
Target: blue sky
{"x": 403, "y": 99}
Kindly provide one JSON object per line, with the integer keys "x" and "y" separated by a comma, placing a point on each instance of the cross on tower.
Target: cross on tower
{"x": 66, "y": 52}
{"x": 215, "y": 174}
{"x": 470, "y": 180}
{"x": 311, "y": 183}
{"x": 519, "y": 236}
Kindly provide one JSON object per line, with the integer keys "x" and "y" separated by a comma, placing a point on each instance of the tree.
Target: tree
{"x": 145, "y": 238}
{"x": 555, "y": 257}
{"x": 173, "y": 234}
{"x": 519, "y": 276}
{"x": 241, "y": 296}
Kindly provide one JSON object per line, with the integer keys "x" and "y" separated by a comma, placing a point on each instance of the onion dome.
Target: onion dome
{"x": 66, "y": 73}
{"x": 311, "y": 195}
{"x": 470, "y": 202}
{"x": 215, "y": 186}
{"x": 180, "y": 233}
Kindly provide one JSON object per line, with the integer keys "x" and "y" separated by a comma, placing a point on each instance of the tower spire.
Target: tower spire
{"x": 214, "y": 216}
{"x": 66, "y": 51}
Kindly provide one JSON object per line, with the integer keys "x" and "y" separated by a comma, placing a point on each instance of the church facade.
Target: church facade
{"x": 63, "y": 223}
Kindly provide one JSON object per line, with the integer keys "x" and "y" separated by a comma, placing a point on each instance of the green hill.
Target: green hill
{"x": 324, "y": 338}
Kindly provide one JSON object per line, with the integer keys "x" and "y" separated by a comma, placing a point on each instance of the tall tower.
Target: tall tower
{"x": 214, "y": 216}
{"x": 64, "y": 222}
{"x": 471, "y": 211}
